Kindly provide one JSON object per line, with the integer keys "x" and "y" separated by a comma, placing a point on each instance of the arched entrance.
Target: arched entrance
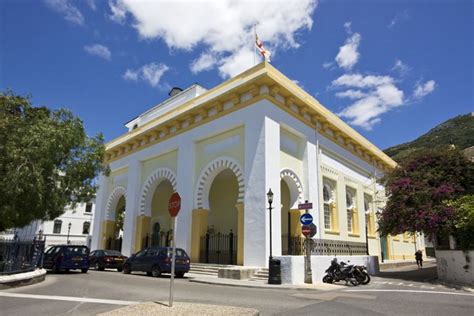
{"x": 291, "y": 194}
{"x": 217, "y": 232}
{"x": 115, "y": 215}
{"x": 154, "y": 222}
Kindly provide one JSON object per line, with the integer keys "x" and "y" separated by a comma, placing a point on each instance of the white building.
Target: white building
{"x": 223, "y": 149}
{"x": 74, "y": 225}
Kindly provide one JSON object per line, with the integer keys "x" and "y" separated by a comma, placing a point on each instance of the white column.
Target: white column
{"x": 185, "y": 175}
{"x": 99, "y": 211}
{"x": 311, "y": 172}
{"x": 131, "y": 207}
{"x": 262, "y": 172}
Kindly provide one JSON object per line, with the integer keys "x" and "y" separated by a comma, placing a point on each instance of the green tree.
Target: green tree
{"x": 421, "y": 191}
{"x": 46, "y": 161}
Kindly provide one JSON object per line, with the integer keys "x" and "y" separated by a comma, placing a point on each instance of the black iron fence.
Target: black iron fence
{"x": 162, "y": 239}
{"x": 324, "y": 247}
{"x": 114, "y": 244}
{"x": 218, "y": 248}
{"x": 18, "y": 256}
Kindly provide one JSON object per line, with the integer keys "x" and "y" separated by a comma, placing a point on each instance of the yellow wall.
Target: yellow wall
{"x": 235, "y": 151}
{"x": 159, "y": 207}
{"x": 222, "y": 199}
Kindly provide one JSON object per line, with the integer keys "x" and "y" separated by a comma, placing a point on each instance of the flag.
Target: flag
{"x": 259, "y": 44}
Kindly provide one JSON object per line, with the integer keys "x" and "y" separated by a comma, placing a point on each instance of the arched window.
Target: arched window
{"x": 328, "y": 209}
{"x": 369, "y": 216}
{"x": 351, "y": 210}
{"x": 57, "y": 226}
{"x": 86, "y": 228}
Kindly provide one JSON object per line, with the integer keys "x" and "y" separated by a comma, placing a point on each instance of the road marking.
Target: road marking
{"x": 412, "y": 291}
{"x": 68, "y": 298}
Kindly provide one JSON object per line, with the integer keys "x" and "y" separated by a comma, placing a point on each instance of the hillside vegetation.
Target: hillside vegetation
{"x": 458, "y": 131}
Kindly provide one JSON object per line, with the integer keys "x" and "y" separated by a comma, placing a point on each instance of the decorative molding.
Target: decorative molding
{"x": 150, "y": 185}
{"x": 112, "y": 201}
{"x": 295, "y": 186}
{"x": 208, "y": 174}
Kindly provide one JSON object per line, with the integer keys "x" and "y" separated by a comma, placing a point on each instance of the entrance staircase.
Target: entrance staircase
{"x": 212, "y": 270}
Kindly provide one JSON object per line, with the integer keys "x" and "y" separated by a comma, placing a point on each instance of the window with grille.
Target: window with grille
{"x": 57, "y": 226}
{"x": 327, "y": 196}
{"x": 368, "y": 215}
{"x": 88, "y": 208}
{"x": 350, "y": 210}
{"x": 86, "y": 228}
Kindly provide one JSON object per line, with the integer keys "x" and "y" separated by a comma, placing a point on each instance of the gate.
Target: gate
{"x": 291, "y": 245}
{"x": 218, "y": 248}
{"x": 114, "y": 244}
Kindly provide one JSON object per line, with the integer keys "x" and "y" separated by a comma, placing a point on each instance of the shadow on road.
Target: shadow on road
{"x": 411, "y": 273}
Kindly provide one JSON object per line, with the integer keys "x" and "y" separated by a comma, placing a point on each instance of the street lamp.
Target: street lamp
{"x": 367, "y": 219}
{"x": 68, "y": 231}
{"x": 274, "y": 269}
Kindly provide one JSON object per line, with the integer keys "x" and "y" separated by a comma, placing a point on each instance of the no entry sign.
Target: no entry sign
{"x": 306, "y": 230}
{"x": 174, "y": 204}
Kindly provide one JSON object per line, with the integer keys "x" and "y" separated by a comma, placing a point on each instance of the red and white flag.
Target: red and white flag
{"x": 259, "y": 44}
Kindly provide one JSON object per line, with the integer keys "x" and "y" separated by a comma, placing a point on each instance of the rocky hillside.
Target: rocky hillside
{"x": 458, "y": 131}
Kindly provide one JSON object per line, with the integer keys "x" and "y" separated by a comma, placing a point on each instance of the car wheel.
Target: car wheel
{"x": 119, "y": 269}
{"x": 126, "y": 269}
{"x": 84, "y": 270}
{"x": 179, "y": 274}
{"x": 96, "y": 266}
{"x": 155, "y": 271}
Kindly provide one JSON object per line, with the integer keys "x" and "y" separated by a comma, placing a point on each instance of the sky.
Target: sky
{"x": 390, "y": 69}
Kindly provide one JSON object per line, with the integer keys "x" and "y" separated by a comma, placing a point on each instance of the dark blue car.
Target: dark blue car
{"x": 66, "y": 257}
{"x": 157, "y": 260}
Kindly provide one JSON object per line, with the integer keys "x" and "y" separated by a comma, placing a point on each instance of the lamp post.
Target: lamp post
{"x": 270, "y": 201}
{"x": 68, "y": 231}
{"x": 367, "y": 219}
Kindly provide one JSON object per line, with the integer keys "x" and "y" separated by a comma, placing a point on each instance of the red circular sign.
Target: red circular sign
{"x": 174, "y": 204}
{"x": 306, "y": 230}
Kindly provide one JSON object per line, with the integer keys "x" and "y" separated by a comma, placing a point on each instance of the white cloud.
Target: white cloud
{"x": 423, "y": 89}
{"x": 379, "y": 95}
{"x": 204, "y": 62}
{"x": 150, "y": 73}
{"x": 348, "y": 53}
{"x": 91, "y": 4}
{"x": 360, "y": 81}
{"x": 70, "y": 12}
{"x": 327, "y": 65}
{"x": 348, "y": 27}
{"x": 99, "y": 51}
{"x": 397, "y": 18}
{"x": 223, "y": 28}
{"x": 400, "y": 67}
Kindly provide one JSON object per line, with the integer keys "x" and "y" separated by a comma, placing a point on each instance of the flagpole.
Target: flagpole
{"x": 254, "y": 44}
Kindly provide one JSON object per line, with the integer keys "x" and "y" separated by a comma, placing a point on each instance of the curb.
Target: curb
{"x": 273, "y": 287}
{"x": 22, "y": 279}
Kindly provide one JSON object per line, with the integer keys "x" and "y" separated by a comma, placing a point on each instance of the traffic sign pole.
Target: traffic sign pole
{"x": 174, "y": 205}
{"x": 307, "y": 219}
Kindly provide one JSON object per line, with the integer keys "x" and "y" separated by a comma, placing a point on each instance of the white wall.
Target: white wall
{"x": 292, "y": 267}
{"x": 453, "y": 266}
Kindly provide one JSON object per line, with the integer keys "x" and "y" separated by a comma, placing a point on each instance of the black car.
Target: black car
{"x": 157, "y": 260}
{"x": 66, "y": 257}
{"x": 107, "y": 259}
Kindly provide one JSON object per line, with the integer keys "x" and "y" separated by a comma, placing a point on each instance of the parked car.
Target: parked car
{"x": 66, "y": 257}
{"x": 107, "y": 259}
{"x": 157, "y": 260}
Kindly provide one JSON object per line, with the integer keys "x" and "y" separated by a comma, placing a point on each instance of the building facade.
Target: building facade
{"x": 74, "y": 226}
{"x": 222, "y": 150}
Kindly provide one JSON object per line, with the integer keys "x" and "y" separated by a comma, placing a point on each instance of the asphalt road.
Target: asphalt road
{"x": 404, "y": 291}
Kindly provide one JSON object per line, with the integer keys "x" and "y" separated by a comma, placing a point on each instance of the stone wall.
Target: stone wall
{"x": 455, "y": 266}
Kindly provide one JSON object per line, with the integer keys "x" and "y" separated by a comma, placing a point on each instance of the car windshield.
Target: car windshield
{"x": 179, "y": 252}
{"x": 76, "y": 250}
{"x": 50, "y": 250}
{"x": 112, "y": 253}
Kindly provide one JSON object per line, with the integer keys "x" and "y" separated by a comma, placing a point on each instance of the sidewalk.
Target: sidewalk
{"x": 20, "y": 279}
{"x": 262, "y": 283}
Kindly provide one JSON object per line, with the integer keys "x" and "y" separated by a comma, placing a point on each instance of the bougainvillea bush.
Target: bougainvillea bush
{"x": 422, "y": 193}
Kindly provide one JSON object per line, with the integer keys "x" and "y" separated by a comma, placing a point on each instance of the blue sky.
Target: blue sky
{"x": 391, "y": 69}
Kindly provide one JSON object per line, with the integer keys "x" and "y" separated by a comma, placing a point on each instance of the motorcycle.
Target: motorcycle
{"x": 360, "y": 273}
{"x": 341, "y": 272}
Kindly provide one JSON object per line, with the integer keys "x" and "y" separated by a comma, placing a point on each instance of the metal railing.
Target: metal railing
{"x": 218, "y": 248}
{"x": 324, "y": 247}
{"x": 18, "y": 256}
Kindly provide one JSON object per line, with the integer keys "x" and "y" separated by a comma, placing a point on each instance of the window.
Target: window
{"x": 86, "y": 227}
{"x": 57, "y": 226}
{"x": 351, "y": 210}
{"x": 88, "y": 208}
{"x": 328, "y": 200}
{"x": 369, "y": 216}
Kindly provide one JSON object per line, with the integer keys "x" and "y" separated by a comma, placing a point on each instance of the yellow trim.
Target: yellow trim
{"x": 108, "y": 230}
{"x": 295, "y": 222}
{"x": 198, "y": 229}
{"x": 372, "y": 237}
{"x": 353, "y": 235}
{"x": 312, "y": 113}
{"x": 332, "y": 232}
{"x": 143, "y": 226}
{"x": 240, "y": 233}
{"x": 334, "y": 216}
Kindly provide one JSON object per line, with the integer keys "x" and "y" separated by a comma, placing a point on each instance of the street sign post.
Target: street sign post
{"x": 306, "y": 219}
{"x": 174, "y": 205}
{"x": 313, "y": 230}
